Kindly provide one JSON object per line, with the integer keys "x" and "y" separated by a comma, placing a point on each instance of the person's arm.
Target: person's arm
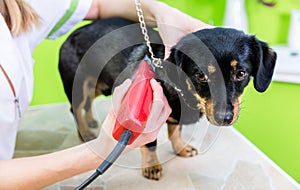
{"x": 172, "y": 23}
{"x": 40, "y": 171}
{"x": 121, "y": 8}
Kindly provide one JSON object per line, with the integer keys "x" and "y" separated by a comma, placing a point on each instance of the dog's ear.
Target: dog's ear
{"x": 264, "y": 64}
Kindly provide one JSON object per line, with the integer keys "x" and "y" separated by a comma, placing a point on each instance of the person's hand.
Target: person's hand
{"x": 159, "y": 113}
{"x": 173, "y": 25}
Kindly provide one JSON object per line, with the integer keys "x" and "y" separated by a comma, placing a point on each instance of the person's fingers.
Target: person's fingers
{"x": 159, "y": 117}
{"x": 158, "y": 95}
{"x": 119, "y": 94}
{"x": 154, "y": 121}
{"x": 160, "y": 109}
{"x": 157, "y": 90}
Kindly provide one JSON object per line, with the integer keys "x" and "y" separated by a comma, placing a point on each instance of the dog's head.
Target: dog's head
{"x": 218, "y": 64}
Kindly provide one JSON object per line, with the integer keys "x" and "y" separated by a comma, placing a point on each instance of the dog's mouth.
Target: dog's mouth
{"x": 225, "y": 121}
{"x": 219, "y": 117}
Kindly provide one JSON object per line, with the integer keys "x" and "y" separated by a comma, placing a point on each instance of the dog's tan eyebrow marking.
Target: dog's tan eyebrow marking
{"x": 201, "y": 101}
{"x": 211, "y": 69}
{"x": 233, "y": 63}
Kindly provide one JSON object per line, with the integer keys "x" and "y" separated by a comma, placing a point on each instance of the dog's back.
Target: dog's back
{"x": 110, "y": 31}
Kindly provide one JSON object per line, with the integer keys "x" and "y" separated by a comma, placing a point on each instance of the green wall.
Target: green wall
{"x": 270, "y": 120}
{"x": 48, "y": 87}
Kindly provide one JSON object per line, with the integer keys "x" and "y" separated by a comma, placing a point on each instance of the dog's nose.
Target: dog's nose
{"x": 228, "y": 118}
{"x": 224, "y": 118}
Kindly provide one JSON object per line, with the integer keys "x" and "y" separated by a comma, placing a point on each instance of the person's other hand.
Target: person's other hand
{"x": 174, "y": 25}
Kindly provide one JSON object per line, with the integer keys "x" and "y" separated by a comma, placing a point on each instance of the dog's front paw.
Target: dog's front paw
{"x": 151, "y": 168}
{"x": 186, "y": 151}
{"x": 152, "y": 172}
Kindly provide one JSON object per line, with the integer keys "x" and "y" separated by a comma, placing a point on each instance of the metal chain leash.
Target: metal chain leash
{"x": 156, "y": 61}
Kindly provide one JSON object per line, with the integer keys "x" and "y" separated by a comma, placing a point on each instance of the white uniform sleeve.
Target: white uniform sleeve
{"x": 58, "y": 17}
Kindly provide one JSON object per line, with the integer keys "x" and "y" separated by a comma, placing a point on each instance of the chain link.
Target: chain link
{"x": 156, "y": 61}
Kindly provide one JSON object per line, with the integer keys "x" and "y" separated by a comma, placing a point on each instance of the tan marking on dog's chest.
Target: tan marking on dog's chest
{"x": 201, "y": 104}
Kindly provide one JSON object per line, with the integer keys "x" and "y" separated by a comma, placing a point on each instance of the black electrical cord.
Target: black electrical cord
{"x": 126, "y": 135}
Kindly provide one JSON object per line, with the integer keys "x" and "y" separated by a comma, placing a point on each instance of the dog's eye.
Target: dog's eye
{"x": 240, "y": 75}
{"x": 201, "y": 77}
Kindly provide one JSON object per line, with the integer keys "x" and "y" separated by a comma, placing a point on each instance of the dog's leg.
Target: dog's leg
{"x": 91, "y": 122}
{"x": 95, "y": 90}
{"x": 84, "y": 131}
{"x": 179, "y": 146}
{"x": 151, "y": 167}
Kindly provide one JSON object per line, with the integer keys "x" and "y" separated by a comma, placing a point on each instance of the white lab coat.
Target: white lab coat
{"x": 16, "y": 73}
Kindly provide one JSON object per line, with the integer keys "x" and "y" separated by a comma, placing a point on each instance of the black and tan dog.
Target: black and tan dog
{"x": 205, "y": 74}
